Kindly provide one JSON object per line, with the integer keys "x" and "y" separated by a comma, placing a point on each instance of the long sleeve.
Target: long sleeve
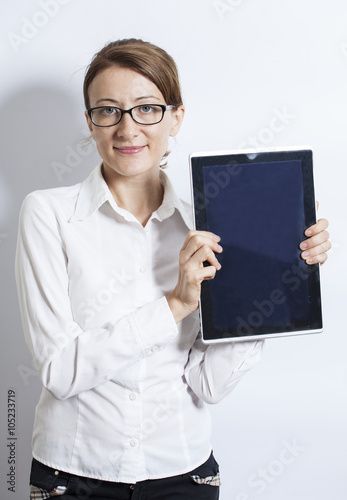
{"x": 92, "y": 282}
{"x": 68, "y": 358}
{"x": 213, "y": 371}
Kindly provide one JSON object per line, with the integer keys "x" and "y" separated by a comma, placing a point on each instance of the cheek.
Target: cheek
{"x": 161, "y": 140}
{"x": 161, "y": 145}
{"x": 102, "y": 140}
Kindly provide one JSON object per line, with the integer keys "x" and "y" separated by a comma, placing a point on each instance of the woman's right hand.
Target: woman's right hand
{"x": 199, "y": 246}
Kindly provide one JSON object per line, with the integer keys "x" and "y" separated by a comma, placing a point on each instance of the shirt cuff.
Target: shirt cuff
{"x": 153, "y": 326}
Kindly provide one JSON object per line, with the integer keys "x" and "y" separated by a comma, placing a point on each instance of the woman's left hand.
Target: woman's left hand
{"x": 317, "y": 244}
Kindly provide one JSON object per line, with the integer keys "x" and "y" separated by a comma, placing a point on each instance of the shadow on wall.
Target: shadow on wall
{"x": 42, "y": 130}
{"x": 43, "y": 146}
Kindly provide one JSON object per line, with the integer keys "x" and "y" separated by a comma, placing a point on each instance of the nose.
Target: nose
{"x": 127, "y": 128}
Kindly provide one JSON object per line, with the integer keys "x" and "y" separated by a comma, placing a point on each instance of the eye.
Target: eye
{"x": 109, "y": 111}
{"x": 146, "y": 109}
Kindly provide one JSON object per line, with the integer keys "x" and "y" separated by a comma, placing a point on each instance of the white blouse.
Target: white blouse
{"x": 124, "y": 387}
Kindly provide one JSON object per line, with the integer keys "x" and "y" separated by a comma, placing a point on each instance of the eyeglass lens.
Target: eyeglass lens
{"x": 144, "y": 114}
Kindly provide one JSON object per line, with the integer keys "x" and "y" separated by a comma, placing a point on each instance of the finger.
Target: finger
{"x": 204, "y": 254}
{"x": 197, "y": 242}
{"x": 194, "y": 233}
{"x": 320, "y": 225}
{"x": 206, "y": 273}
{"x": 315, "y": 240}
{"x": 316, "y": 251}
{"x": 318, "y": 259}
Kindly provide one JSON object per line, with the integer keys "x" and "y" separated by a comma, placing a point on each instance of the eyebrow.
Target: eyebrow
{"x": 109, "y": 99}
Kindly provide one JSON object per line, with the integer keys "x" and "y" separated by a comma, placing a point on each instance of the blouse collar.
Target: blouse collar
{"x": 94, "y": 192}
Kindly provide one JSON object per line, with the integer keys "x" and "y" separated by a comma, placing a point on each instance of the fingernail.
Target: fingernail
{"x": 216, "y": 237}
{"x": 305, "y": 254}
{"x": 308, "y": 232}
{"x": 303, "y": 245}
{"x": 309, "y": 261}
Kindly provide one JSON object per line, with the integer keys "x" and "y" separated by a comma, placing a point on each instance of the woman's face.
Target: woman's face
{"x": 130, "y": 149}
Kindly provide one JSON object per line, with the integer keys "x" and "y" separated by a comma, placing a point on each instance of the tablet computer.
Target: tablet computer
{"x": 259, "y": 202}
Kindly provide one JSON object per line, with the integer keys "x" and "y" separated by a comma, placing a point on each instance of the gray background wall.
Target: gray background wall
{"x": 282, "y": 433}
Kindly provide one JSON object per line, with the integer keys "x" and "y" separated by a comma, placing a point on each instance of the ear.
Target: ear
{"x": 178, "y": 115}
{"x": 89, "y": 123}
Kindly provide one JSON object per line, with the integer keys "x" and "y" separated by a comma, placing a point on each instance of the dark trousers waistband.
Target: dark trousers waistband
{"x": 201, "y": 483}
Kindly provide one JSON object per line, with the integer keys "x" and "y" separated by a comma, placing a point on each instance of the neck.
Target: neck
{"x": 140, "y": 195}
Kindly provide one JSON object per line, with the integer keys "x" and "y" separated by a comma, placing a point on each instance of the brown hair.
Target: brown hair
{"x": 143, "y": 57}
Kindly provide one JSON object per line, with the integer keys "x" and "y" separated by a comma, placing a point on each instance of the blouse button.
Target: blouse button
{"x": 132, "y": 396}
{"x": 143, "y": 269}
{"x": 133, "y": 443}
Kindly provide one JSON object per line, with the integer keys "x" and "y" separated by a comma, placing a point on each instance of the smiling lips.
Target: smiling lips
{"x": 130, "y": 150}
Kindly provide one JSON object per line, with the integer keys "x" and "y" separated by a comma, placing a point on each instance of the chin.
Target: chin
{"x": 131, "y": 169}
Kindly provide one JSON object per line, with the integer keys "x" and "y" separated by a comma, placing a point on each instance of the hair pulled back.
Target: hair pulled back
{"x": 143, "y": 57}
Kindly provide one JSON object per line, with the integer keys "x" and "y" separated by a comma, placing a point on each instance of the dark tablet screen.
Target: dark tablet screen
{"x": 260, "y": 205}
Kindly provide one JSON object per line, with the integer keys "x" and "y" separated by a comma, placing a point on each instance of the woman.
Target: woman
{"x": 109, "y": 282}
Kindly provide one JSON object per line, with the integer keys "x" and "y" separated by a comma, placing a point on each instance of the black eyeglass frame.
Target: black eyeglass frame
{"x": 123, "y": 111}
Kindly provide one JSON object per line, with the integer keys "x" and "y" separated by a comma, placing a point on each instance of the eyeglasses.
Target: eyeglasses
{"x": 144, "y": 114}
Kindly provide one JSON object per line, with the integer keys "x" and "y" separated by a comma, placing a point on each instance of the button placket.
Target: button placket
{"x": 144, "y": 267}
{"x": 140, "y": 244}
{"x": 134, "y": 442}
